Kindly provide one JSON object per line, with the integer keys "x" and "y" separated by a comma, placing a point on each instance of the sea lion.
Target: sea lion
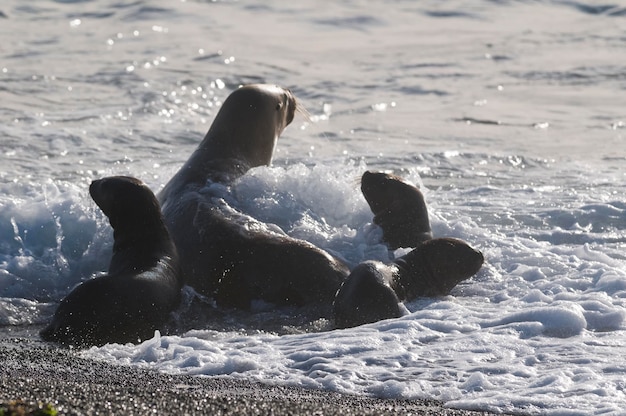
{"x": 373, "y": 290}
{"x": 235, "y": 259}
{"x": 399, "y": 209}
{"x": 225, "y": 254}
{"x": 433, "y": 268}
{"x": 143, "y": 283}
{"x": 437, "y": 265}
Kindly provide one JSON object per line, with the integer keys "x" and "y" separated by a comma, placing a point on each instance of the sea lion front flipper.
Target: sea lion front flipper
{"x": 399, "y": 209}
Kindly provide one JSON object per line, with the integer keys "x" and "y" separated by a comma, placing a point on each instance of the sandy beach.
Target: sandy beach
{"x": 34, "y": 374}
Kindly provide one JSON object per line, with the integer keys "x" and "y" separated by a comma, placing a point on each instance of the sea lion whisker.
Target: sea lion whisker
{"x": 301, "y": 109}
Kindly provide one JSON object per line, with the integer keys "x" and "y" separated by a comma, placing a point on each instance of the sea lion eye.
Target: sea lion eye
{"x": 279, "y": 106}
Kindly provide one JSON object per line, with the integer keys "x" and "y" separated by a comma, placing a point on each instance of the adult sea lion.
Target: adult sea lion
{"x": 243, "y": 135}
{"x": 143, "y": 283}
{"x": 399, "y": 209}
{"x": 225, "y": 254}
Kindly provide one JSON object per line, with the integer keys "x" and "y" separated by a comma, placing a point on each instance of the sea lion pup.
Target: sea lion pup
{"x": 433, "y": 268}
{"x": 399, "y": 209}
{"x": 143, "y": 284}
{"x": 224, "y": 254}
{"x": 373, "y": 289}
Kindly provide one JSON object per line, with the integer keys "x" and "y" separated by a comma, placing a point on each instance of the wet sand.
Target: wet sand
{"x": 34, "y": 372}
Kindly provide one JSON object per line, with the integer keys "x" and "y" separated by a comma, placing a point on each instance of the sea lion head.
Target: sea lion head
{"x": 126, "y": 201}
{"x": 243, "y": 135}
{"x": 365, "y": 296}
{"x": 249, "y": 122}
{"x": 399, "y": 209}
{"x": 436, "y": 267}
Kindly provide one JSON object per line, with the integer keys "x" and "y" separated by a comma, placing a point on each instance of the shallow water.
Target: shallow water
{"x": 509, "y": 115}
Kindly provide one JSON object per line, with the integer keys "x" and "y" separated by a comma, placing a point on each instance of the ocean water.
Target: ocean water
{"x": 510, "y": 115}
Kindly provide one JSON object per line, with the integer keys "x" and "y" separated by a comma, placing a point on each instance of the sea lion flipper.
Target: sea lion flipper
{"x": 399, "y": 209}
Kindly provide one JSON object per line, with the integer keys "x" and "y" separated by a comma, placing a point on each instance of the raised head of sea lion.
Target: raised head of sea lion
{"x": 243, "y": 135}
{"x": 143, "y": 283}
{"x": 399, "y": 209}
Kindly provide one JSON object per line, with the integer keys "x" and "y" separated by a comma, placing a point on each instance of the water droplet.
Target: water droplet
{"x": 379, "y": 107}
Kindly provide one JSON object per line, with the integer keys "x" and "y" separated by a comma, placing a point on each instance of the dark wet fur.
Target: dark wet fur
{"x": 144, "y": 281}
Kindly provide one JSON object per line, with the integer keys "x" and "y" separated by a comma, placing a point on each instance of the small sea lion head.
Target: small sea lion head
{"x": 126, "y": 201}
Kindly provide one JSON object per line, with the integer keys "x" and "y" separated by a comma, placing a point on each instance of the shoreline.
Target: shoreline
{"x": 36, "y": 373}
